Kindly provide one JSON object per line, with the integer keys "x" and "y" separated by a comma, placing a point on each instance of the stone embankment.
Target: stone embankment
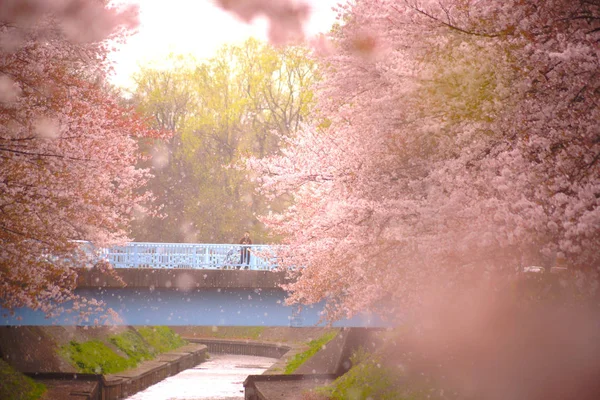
{"x": 243, "y": 347}
{"x": 127, "y": 383}
{"x": 330, "y": 362}
{"x": 74, "y": 386}
{"x": 273, "y": 384}
{"x": 36, "y": 351}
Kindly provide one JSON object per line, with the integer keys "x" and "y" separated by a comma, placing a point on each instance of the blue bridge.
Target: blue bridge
{"x": 189, "y": 284}
{"x": 189, "y": 255}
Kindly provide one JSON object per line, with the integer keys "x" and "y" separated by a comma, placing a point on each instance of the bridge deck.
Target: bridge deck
{"x": 184, "y": 279}
{"x": 187, "y": 255}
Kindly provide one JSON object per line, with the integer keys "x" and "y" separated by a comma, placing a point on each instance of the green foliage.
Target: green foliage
{"x": 95, "y": 357}
{"x": 237, "y": 104}
{"x": 16, "y": 386}
{"x": 367, "y": 379}
{"x": 133, "y": 345}
{"x": 161, "y": 338}
{"x": 314, "y": 347}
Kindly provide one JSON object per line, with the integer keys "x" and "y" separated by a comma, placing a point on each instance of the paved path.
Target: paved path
{"x": 219, "y": 378}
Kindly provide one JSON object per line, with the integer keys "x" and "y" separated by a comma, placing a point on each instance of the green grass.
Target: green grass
{"x": 95, "y": 357}
{"x": 16, "y": 386}
{"x": 314, "y": 347}
{"x": 367, "y": 379}
{"x": 161, "y": 338}
{"x": 384, "y": 375}
{"x": 133, "y": 345}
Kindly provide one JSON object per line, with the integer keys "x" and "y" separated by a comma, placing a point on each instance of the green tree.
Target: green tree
{"x": 164, "y": 96}
{"x": 241, "y": 102}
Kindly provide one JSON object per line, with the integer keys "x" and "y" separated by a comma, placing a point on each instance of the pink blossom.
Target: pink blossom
{"x": 467, "y": 150}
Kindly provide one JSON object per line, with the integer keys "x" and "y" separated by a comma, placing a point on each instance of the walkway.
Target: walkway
{"x": 186, "y": 255}
{"x": 220, "y": 377}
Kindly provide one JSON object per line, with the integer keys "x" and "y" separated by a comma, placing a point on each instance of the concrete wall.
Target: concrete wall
{"x": 184, "y": 279}
{"x": 242, "y": 347}
{"x": 123, "y": 384}
{"x": 126, "y": 383}
{"x": 334, "y": 358}
{"x": 321, "y": 369}
{"x": 289, "y": 387}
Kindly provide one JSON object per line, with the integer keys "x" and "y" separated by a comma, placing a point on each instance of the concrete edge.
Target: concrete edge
{"x": 253, "y": 383}
{"x": 329, "y": 359}
{"x": 324, "y": 367}
{"x": 184, "y": 279}
{"x": 283, "y": 352}
{"x": 242, "y": 346}
{"x": 126, "y": 383}
{"x": 148, "y": 373}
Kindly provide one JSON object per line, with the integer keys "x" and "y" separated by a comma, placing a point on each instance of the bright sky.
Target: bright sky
{"x": 198, "y": 27}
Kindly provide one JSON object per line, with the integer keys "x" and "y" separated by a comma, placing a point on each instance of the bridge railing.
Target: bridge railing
{"x": 191, "y": 255}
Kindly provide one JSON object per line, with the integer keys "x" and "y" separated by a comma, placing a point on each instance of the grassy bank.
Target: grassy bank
{"x": 314, "y": 347}
{"x": 387, "y": 371}
{"x": 120, "y": 352}
{"x": 368, "y": 379}
{"x": 160, "y": 338}
{"x": 16, "y": 386}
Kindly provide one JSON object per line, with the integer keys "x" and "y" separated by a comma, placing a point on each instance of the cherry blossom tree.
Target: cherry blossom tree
{"x": 68, "y": 148}
{"x": 458, "y": 142}
{"x": 286, "y": 17}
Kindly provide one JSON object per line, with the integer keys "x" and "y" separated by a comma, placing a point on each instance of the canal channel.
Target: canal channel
{"x": 221, "y": 377}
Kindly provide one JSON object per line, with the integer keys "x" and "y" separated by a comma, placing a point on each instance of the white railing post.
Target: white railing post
{"x": 136, "y": 256}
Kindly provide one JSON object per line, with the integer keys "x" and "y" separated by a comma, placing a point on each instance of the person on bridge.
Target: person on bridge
{"x": 245, "y": 252}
